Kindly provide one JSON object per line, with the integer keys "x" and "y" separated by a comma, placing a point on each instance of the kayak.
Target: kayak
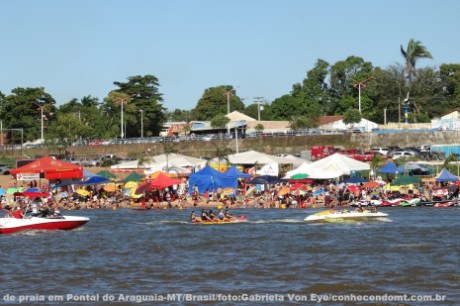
{"x": 237, "y": 220}
{"x": 333, "y": 215}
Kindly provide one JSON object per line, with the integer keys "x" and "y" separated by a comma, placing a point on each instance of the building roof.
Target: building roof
{"x": 236, "y": 116}
{"x": 329, "y": 119}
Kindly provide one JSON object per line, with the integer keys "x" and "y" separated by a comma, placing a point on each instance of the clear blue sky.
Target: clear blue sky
{"x": 75, "y": 48}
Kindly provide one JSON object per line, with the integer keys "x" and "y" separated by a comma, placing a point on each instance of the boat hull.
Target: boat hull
{"x": 324, "y": 216}
{"x": 12, "y": 225}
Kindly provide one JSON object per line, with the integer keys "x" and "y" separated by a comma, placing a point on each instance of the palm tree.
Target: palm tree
{"x": 168, "y": 148}
{"x": 414, "y": 51}
{"x": 221, "y": 154}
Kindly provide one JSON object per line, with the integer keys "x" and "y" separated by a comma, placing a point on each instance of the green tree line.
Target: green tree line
{"x": 327, "y": 89}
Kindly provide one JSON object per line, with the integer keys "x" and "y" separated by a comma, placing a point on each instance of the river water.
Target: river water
{"x": 127, "y": 256}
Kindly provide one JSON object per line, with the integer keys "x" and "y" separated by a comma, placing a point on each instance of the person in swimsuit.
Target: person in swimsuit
{"x": 194, "y": 218}
{"x": 204, "y": 216}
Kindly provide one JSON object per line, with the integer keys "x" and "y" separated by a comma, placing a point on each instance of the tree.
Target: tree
{"x": 145, "y": 95}
{"x": 221, "y": 153}
{"x": 168, "y": 149}
{"x": 22, "y": 109}
{"x": 122, "y": 99}
{"x": 67, "y": 129}
{"x": 414, "y": 51}
{"x": 214, "y": 101}
{"x": 286, "y": 107}
{"x": 303, "y": 122}
{"x": 219, "y": 121}
{"x": 352, "y": 115}
{"x": 259, "y": 127}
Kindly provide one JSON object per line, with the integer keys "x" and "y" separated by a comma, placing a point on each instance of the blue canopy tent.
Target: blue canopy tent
{"x": 389, "y": 168}
{"x": 233, "y": 171}
{"x": 446, "y": 176}
{"x": 355, "y": 180}
{"x": 266, "y": 179}
{"x": 94, "y": 180}
{"x": 210, "y": 179}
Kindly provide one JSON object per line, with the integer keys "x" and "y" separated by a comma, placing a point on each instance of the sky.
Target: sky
{"x": 77, "y": 48}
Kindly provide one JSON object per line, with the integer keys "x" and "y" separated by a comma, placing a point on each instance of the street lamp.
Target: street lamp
{"x": 142, "y": 123}
{"x": 359, "y": 85}
{"x": 41, "y": 106}
{"x": 228, "y": 93}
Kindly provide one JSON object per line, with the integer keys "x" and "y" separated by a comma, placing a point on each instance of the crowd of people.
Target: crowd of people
{"x": 280, "y": 195}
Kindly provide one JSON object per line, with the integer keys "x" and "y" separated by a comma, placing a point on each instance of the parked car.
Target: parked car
{"x": 401, "y": 154}
{"x": 4, "y": 169}
{"x": 381, "y": 150}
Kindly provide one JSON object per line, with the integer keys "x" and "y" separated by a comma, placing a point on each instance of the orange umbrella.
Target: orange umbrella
{"x": 155, "y": 174}
{"x": 371, "y": 184}
{"x": 110, "y": 187}
{"x": 283, "y": 191}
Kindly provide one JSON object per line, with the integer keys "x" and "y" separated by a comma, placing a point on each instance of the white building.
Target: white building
{"x": 450, "y": 121}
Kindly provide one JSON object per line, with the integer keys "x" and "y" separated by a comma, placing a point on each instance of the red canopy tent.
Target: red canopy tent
{"x": 51, "y": 169}
{"x": 162, "y": 181}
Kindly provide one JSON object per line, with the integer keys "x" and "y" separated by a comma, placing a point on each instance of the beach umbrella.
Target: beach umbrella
{"x": 143, "y": 188}
{"x": 371, "y": 184}
{"x": 405, "y": 180}
{"x": 107, "y": 174}
{"x": 12, "y": 190}
{"x": 228, "y": 191}
{"x": 127, "y": 192}
{"x": 2, "y": 191}
{"x": 298, "y": 192}
{"x": 300, "y": 176}
{"x": 283, "y": 191}
{"x": 82, "y": 192}
{"x": 110, "y": 187}
{"x": 355, "y": 180}
{"x": 131, "y": 184}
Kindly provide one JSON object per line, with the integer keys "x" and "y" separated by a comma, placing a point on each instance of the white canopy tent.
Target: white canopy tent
{"x": 254, "y": 157}
{"x": 341, "y": 163}
{"x": 161, "y": 161}
{"x": 313, "y": 172}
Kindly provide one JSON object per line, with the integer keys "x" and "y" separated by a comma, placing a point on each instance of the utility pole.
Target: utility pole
{"x": 229, "y": 93}
{"x": 142, "y": 123}
{"x": 258, "y": 101}
{"x": 359, "y": 85}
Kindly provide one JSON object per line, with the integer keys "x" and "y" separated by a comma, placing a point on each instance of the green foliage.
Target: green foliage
{"x": 286, "y": 107}
{"x": 259, "y": 127}
{"x": 414, "y": 51}
{"x": 304, "y": 122}
{"x": 22, "y": 110}
{"x": 215, "y": 100}
{"x": 144, "y": 94}
{"x": 351, "y": 116}
{"x": 219, "y": 121}
{"x": 376, "y": 161}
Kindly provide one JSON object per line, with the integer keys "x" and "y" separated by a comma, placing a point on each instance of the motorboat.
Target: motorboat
{"x": 344, "y": 214}
{"x": 9, "y": 225}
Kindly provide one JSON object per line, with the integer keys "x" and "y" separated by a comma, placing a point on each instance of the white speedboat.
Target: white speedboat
{"x": 11, "y": 225}
{"x": 334, "y": 215}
